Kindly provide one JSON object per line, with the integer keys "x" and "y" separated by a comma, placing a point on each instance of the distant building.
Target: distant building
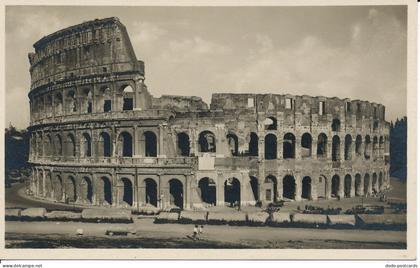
{"x": 99, "y": 137}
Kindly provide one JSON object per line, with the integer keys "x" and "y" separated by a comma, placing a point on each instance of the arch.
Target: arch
{"x": 359, "y": 145}
{"x": 49, "y": 186}
{"x": 105, "y": 99}
{"x": 270, "y": 146}
{"x": 71, "y": 193}
{"x": 232, "y": 143}
{"x": 86, "y": 145}
{"x": 58, "y": 104}
{"x": 71, "y": 101}
{"x": 347, "y": 185}
{"x": 270, "y": 123}
{"x": 375, "y": 186}
{"x": 151, "y": 191}
{"x": 270, "y": 185}
{"x": 358, "y": 185}
{"x": 375, "y": 147}
{"x": 105, "y": 146}
{"x": 335, "y": 186}
{"x": 366, "y": 184}
{"x": 289, "y": 144}
{"x": 70, "y": 145}
{"x": 41, "y": 183}
{"x": 306, "y": 187}
{"x": 176, "y": 192}
{"x": 254, "y": 187}
{"x": 367, "y": 147}
{"x": 253, "y": 144}
{"x": 321, "y": 186}
{"x": 128, "y": 98}
{"x": 207, "y": 142}
{"x": 381, "y": 146}
{"x": 336, "y": 148}
{"x": 207, "y": 188}
{"x": 183, "y": 144}
{"x": 48, "y": 146}
{"x": 347, "y": 147}
{"x": 86, "y": 189}
{"x": 306, "y": 145}
{"x": 381, "y": 182}
{"x": 125, "y": 141}
{"x": 49, "y": 105}
{"x": 150, "y": 145}
{"x": 58, "y": 188}
{"x": 335, "y": 126}
{"x": 106, "y": 190}
{"x": 88, "y": 101}
{"x": 58, "y": 145}
{"x": 232, "y": 189}
{"x": 289, "y": 187}
{"x": 127, "y": 194}
{"x": 322, "y": 144}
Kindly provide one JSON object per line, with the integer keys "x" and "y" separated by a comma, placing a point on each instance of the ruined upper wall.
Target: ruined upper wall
{"x": 273, "y": 103}
{"x": 179, "y": 103}
{"x": 90, "y": 48}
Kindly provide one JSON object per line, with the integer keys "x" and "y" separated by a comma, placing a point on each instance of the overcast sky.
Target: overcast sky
{"x": 354, "y": 52}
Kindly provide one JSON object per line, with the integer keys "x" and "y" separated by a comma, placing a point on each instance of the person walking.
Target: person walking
{"x": 195, "y": 233}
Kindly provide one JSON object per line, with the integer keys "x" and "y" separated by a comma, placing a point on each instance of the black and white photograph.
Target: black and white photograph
{"x": 198, "y": 127}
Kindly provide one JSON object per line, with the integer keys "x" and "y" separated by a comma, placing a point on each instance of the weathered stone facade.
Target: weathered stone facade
{"x": 99, "y": 137}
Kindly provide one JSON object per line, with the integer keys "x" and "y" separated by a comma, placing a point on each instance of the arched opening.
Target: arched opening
{"x": 347, "y": 147}
{"x": 358, "y": 185}
{"x": 347, "y": 185}
{"x": 105, "y": 99}
{"x": 58, "y": 104}
{"x": 128, "y": 100}
{"x": 381, "y": 146}
{"x": 375, "y": 147}
{"x": 151, "y": 192}
{"x": 49, "y": 105}
{"x": 49, "y": 186}
{"x": 176, "y": 193}
{"x": 107, "y": 190}
{"x": 321, "y": 148}
{"x": 71, "y": 194}
{"x": 71, "y": 102}
{"x": 335, "y": 185}
{"x": 336, "y": 148}
{"x": 289, "y": 141}
{"x": 375, "y": 186}
{"x": 87, "y": 145}
{"x": 335, "y": 126}
{"x": 306, "y": 187}
{"x": 270, "y": 144}
{"x": 58, "y": 188}
{"x": 88, "y": 102}
{"x": 289, "y": 187}
{"x": 270, "y": 186}
{"x": 126, "y": 144}
{"x": 58, "y": 145}
{"x": 207, "y": 188}
{"x": 127, "y": 196}
{"x": 232, "y": 192}
{"x": 270, "y": 123}
{"x": 306, "y": 145}
{"x": 183, "y": 144}
{"x": 86, "y": 189}
{"x": 381, "y": 182}
{"x": 232, "y": 140}
{"x": 41, "y": 183}
{"x": 253, "y": 144}
{"x": 366, "y": 185}
{"x": 48, "y": 151}
{"x": 359, "y": 145}
{"x": 150, "y": 144}
{"x": 254, "y": 187}
{"x": 70, "y": 145}
{"x": 207, "y": 142}
{"x": 367, "y": 147}
{"x": 321, "y": 187}
{"x": 104, "y": 145}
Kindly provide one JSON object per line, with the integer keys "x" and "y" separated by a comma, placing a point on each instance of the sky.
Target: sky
{"x": 348, "y": 52}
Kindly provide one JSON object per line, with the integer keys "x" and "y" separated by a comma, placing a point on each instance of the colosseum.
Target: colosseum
{"x": 99, "y": 138}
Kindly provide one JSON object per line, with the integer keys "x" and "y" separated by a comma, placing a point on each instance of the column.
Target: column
{"x": 341, "y": 186}
{"x": 353, "y": 187}
{"x": 298, "y": 189}
{"x": 220, "y": 190}
{"x": 298, "y": 147}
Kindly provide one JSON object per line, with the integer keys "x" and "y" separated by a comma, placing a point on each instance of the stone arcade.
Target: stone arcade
{"x": 99, "y": 137}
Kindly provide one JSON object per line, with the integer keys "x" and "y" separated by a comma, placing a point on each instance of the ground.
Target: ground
{"x": 145, "y": 234}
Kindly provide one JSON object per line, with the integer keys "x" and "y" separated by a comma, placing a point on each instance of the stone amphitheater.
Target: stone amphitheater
{"x": 99, "y": 138}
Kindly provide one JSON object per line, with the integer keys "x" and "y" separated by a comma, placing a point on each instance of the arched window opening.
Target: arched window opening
{"x": 375, "y": 186}
{"x": 150, "y": 144}
{"x": 254, "y": 187}
{"x": 306, "y": 145}
{"x": 87, "y": 189}
{"x": 88, "y": 103}
{"x": 335, "y": 185}
{"x": 58, "y": 188}
{"x": 336, "y": 148}
{"x": 335, "y": 126}
{"x": 127, "y": 196}
{"x": 107, "y": 190}
{"x": 232, "y": 192}
{"x": 48, "y": 148}
{"x": 207, "y": 188}
{"x": 367, "y": 147}
{"x": 104, "y": 145}
{"x": 347, "y": 147}
{"x": 105, "y": 99}
{"x": 58, "y": 104}
{"x": 381, "y": 146}
{"x": 207, "y": 142}
{"x": 253, "y": 144}
{"x": 347, "y": 186}
{"x": 126, "y": 144}
{"x": 321, "y": 186}
{"x": 151, "y": 192}
{"x": 289, "y": 142}
{"x": 381, "y": 182}
{"x": 176, "y": 193}
{"x": 183, "y": 144}
{"x": 270, "y": 186}
{"x": 359, "y": 145}
{"x": 49, "y": 105}
{"x": 289, "y": 187}
{"x": 270, "y": 149}
{"x": 58, "y": 146}
{"x": 232, "y": 140}
{"x": 306, "y": 187}
{"x": 321, "y": 148}
{"x": 128, "y": 98}
{"x": 270, "y": 123}
{"x": 375, "y": 147}
{"x": 367, "y": 185}
{"x": 70, "y": 145}
{"x": 71, "y": 194}
{"x": 358, "y": 185}
{"x": 71, "y": 102}
{"x": 87, "y": 145}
